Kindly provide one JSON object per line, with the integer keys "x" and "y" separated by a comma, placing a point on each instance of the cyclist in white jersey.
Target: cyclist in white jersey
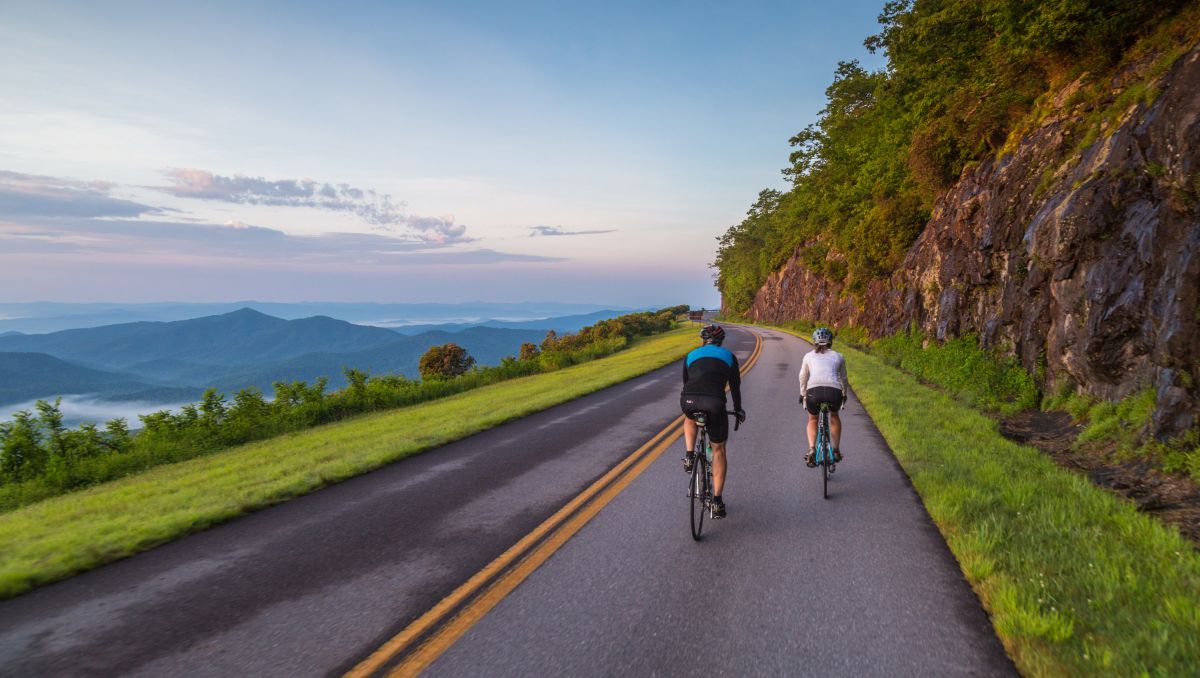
{"x": 823, "y": 381}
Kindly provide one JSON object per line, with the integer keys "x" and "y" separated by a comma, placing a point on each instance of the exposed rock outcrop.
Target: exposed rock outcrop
{"x": 1084, "y": 263}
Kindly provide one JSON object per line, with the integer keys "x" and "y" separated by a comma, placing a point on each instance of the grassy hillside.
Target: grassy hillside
{"x": 59, "y": 537}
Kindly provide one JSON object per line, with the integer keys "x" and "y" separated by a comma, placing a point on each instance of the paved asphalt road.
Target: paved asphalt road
{"x": 861, "y": 584}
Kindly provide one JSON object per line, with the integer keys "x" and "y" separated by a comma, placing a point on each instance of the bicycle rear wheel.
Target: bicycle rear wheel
{"x": 824, "y": 452}
{"x": 825, "y": 475}
{"x": 698, "y": 489}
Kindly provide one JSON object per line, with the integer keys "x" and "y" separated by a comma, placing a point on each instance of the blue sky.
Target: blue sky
{"x": 399, "y": 152}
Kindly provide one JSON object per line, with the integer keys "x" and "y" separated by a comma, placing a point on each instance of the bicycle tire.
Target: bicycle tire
{"x": 699, "y": 492}
{"x": 825, "y": 478}
{"x": 824, "y": 452}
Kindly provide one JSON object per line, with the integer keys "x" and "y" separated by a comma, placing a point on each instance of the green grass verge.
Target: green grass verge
{"x": 1077, "y": 581}
{"x": 984, "y": 379}
{"x": 996, "y": 383}
{"x": 65, "y": 535}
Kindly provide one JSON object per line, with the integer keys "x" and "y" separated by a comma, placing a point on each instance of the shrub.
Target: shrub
{"x": 445, "y": 362}
{"x": 529, "y": 351}
{"x": 982, "y": 378}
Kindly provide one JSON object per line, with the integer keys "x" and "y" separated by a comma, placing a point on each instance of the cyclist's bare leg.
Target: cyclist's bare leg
{"x": 718, "y": 468}
{"x": 812, "y": 431}
{"x": 689, "y": 434}
{"x": 835, "y": 430}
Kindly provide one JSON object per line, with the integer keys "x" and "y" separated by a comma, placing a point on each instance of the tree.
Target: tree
{"x": 50, "y": 417}
{"x": 85, "y": 442}
{"x": 445, "y": 362}
{"x": 117, "y": 435}
{"x": 529, "y": 351}
{"x": 22, "y": 455}
{"x": 356, "y": 380}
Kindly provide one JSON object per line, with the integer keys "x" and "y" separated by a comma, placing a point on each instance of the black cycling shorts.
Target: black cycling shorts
{"x": 823, "y": 394}
{"x": 713, "y": 407}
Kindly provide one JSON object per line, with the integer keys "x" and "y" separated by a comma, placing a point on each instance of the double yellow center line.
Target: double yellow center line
{"x": 434, "y": 632}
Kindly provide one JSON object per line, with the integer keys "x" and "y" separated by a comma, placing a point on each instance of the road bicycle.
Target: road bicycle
{"x": 824, "y": 456}
{"x": 700, "y": 484}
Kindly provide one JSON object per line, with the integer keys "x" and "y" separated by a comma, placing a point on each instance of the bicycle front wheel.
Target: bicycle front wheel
{"x": 698, "y": 489}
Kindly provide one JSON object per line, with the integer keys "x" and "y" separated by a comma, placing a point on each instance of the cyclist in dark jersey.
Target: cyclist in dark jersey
{"x": 705, "y": 373}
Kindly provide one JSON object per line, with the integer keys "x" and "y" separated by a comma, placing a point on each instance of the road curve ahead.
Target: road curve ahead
{"x": 860, "y": 584}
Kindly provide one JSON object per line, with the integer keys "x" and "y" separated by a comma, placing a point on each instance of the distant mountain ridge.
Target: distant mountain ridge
{"x": 52, "y": 317}
{"x": 26, "y": 376}
{"x": 229, "y": 351}
{"x": 570, "y": 323}
{"x": 242, "y": 336}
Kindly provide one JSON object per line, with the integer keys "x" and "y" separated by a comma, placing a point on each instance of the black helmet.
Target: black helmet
{"x": 713, "y": 334}
{"x": 823, "y": 337}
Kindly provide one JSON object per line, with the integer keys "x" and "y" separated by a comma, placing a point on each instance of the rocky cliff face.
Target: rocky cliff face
{"x": 1084, "y": 263}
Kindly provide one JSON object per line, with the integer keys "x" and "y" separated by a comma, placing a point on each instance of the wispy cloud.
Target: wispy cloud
{"x": 535, "y": 231}
{"x": 232, "y": 241}
{"x": 377, "y": 209}
{"x": 439, "y": 229}
{"x": 372, "y": 207}
{"x": 29, "y": 195}
{"x": 49, "y": 217}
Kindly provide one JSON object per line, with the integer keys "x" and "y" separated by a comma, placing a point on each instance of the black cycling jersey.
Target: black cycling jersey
{"x": 707, "y": 370}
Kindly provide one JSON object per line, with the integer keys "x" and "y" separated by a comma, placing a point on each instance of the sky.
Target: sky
{"x": 397, "y": 151}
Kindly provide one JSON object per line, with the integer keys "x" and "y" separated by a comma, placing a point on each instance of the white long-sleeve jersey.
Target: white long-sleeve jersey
{"x": 827, "y": 368}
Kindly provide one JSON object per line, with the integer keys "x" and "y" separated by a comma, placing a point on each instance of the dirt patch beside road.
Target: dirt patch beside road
{"x": 1172, "y": 499}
